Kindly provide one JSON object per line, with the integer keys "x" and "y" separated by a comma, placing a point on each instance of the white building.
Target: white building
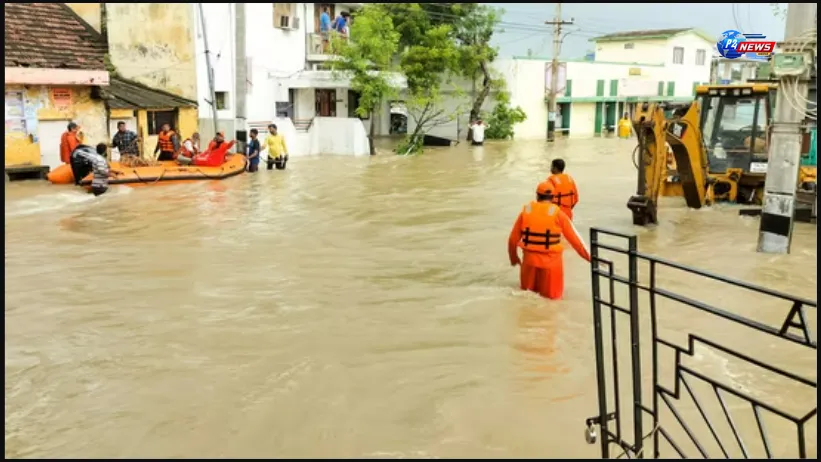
{"x": 628, "y": 67}
{"x": 270, "y": 66}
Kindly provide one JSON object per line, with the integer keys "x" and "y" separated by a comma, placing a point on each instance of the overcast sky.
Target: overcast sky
{"x": 592, "y": 19}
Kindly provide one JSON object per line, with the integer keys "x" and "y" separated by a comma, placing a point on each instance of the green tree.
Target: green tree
{"x": 473, "y": 27}
{"x": 428, "y": 58}
{"x": 367, "y": 58}
{"x": 503, "y": 118}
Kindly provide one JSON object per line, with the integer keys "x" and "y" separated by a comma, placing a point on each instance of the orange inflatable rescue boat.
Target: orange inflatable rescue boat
{"x": 161, "y": 173}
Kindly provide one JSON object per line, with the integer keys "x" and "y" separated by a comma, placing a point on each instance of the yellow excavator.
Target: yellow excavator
{"x": 712, "y": 149}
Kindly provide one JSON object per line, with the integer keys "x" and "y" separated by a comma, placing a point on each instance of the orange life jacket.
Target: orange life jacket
{"x": 166, "y": 144}
{"x": 541, "y": 231}
{"x": 564, "y": 194}
{"x": 184, "y": 151}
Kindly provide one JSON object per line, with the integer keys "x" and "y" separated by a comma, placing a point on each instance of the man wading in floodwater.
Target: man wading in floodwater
{"x": 85, "y": 160}
{"x": 538, "y": 231}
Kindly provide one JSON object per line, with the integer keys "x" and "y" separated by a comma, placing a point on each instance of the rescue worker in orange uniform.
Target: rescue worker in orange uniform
{"x": 566, "y": 194}
{"x": 538, "y": 231}
{"x": 168, "y": 144}
{"x": 69, "y": 141}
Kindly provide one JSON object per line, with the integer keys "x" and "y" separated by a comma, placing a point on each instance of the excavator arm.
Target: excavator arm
{"x": 655, "y": 132}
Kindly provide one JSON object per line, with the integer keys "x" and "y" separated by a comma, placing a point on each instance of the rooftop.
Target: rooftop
{"x": 127, "y": 94}
{"x": 654, "y": 34}
{"x": 50, "y": 36}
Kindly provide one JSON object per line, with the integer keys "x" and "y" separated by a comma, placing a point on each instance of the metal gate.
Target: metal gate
{"x": 653, "y": 402}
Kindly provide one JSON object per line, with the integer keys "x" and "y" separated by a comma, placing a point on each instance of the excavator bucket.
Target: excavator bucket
{"x": 644, "y": 210}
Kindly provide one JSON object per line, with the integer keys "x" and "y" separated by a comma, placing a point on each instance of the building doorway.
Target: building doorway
{"x": 563, "y": 122}
{"x": 610, "y": 117}
{"x": 325, "y": 103}
{"x": 49, "y": 133}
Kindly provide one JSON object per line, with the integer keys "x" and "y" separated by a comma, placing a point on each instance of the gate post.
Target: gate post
{"x": 635, "y": 353}
{"x": 599, "y": 344}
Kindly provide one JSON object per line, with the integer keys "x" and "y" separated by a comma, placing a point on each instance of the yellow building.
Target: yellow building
{"x": 149, "y": 47}
{"x": 149, "y": 43}
{"x": 51, "y": 78}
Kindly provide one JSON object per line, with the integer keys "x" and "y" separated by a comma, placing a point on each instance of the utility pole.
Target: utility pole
{"x": 209, "y": 69}
{"x": 557, "y": 24}
{"x": 778, "y": 208}
{"x": 241, "y": 79}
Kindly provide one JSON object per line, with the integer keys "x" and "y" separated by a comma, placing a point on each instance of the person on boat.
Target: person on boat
{"x": 214, "y": 156}
{"x": 538, "y": 231}
{"x": 277, "y": 150}
{"x": 566, "y": 193}
{"x": 168, "y": 143}
{"x": 190, "y": 148}
{"x": 71, "y": 138}
{"x": 126, "y": 141}
{"x": 253, "y": 150}
{"x": 85, "y": 160}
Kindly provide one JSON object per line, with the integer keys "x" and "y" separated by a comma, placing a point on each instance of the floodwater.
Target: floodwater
{"x": 344, "y": 307}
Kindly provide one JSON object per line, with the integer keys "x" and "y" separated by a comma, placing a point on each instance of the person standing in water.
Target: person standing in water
{"x": 538, "y": 231}
{"x": 478, "y": 127}
{"x": 253, "y": 151}
{"x": 566, "y": 194}
{"x": 277, "y": 150}
{"x": 85, "y": 160}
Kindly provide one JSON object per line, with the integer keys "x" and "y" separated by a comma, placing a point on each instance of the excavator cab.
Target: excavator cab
{"x": 734, "y": 125}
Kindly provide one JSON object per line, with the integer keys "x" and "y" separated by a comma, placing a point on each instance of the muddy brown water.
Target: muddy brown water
{"x": 342, "y": 308}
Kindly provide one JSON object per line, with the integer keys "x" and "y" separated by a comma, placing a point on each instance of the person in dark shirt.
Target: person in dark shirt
{"x": 126, "y": 141}
{"x": 85, "y": 160}
{"x": 253, "y": 151}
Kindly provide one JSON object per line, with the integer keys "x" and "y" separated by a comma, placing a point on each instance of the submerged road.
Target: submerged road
{"x": 342, "y": 308}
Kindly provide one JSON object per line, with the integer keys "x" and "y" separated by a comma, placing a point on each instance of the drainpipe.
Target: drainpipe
{"x": 241, "y": 75}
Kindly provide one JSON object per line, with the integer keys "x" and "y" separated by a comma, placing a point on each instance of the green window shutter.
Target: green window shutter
{"x": 614, "y": 87}
{"x": 568, "y": 89}
{"x": 671, "y": 88}
{"x": 661, "y": 88}
{"x": 599, "y": 87}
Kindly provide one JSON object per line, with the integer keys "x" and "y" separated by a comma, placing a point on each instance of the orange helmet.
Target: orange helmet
{"x": 545, "y": 188}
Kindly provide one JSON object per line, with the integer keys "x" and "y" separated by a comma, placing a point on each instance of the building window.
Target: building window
{"x": 701, "y": 57}
{"x": 285, "y": 16}
{"x": 629, "y": 46}
{"x": 678, "y": 55}
{"x": 156, "y": 119}
{"x": 221, "y": 100}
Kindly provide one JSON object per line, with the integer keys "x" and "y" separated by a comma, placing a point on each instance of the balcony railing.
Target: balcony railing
{"x": 317, "y": 45}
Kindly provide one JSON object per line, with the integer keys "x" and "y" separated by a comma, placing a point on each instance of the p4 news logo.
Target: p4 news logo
{"x": 756, "y": 44}
{"x": 734, "y": 44}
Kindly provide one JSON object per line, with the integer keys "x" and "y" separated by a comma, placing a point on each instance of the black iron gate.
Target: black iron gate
{"x": 654, "y": 408}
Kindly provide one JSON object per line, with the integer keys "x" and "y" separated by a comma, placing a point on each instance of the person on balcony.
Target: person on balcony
{"x": 341, "y": 24}
{"x": 325, "y": 28}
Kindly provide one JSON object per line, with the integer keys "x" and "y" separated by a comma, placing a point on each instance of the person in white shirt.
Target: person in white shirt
{"x": 478, "y": 127}
{"x": 190, "y": 148}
